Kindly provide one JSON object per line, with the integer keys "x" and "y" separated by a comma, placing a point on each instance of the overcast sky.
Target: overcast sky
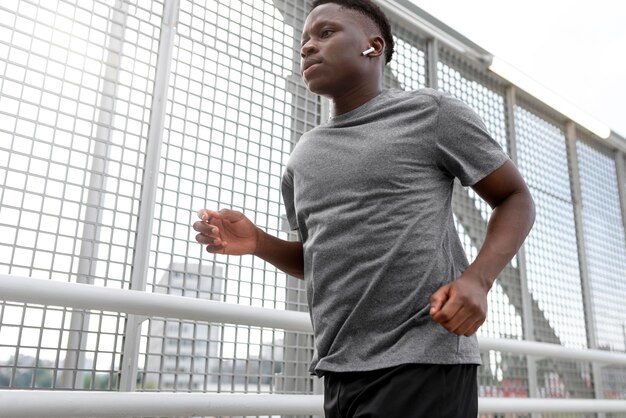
{"x": 575, "y": 48}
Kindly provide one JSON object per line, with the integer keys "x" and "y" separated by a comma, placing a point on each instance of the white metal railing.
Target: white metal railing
{"x": 19, "y": 403}
{"x": 23, "y": 403}
{"x": 82, "y": 296}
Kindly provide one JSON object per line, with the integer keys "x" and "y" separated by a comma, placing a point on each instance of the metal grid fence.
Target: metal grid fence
{"x": 76, "y": 87}
{"x": 79, "y": 85}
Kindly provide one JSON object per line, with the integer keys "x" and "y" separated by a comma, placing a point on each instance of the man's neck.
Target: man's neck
{"x": 352, "y": 99}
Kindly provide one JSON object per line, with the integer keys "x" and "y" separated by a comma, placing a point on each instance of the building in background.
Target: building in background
{"x": 180, "y": 354}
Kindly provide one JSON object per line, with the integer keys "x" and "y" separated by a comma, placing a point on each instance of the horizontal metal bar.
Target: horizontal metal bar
{"x": 23, "y": 403}
{"x": 81, "y": 296}
{"x": 35, "y": 403}
{"x": 539, "y": 349}
{"x": 525, "y": 405}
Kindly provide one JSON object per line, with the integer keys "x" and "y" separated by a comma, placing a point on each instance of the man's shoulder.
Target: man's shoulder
{"x": 423, "y": 95}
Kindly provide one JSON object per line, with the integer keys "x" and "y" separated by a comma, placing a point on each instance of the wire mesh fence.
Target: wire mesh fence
{"x": 77, "y": 85}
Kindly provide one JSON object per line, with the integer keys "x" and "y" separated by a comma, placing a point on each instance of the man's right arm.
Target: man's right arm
{"x": 285, "y": 255}
{"x": 230, "y": 232}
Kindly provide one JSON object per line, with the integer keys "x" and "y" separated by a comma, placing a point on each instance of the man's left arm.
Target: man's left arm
{"x": 461, "y": 306}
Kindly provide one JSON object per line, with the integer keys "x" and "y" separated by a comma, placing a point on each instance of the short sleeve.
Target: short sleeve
{"x": 464, "y": 147}
{"x": 288, "y": 198}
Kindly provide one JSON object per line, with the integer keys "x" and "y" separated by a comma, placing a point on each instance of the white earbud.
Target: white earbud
{"x": 368, "y": 51}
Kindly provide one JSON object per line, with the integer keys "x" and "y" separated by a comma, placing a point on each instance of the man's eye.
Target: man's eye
{"x": 326, "y": 33}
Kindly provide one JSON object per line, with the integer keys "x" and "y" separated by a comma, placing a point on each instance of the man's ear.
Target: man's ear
{"x": 378, "y": 43}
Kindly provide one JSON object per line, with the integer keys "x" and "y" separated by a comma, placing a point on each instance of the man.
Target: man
{"x": 393, "y": 301}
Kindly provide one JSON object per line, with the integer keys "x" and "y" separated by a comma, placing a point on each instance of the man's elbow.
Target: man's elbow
{"x": 530, "y": 205}
{"x": 525, "y": 206}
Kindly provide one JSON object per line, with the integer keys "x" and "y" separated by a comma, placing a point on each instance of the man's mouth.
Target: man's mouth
{"x": 309, "y": 66}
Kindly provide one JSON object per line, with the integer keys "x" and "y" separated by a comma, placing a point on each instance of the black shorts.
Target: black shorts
{"x": 406, "y": 391}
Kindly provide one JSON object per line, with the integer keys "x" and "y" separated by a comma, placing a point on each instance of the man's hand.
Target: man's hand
{"x": 226, "y": 232}
{"x": 460, "y": 306}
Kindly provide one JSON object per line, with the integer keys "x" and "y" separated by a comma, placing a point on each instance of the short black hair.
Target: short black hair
{"x": 370, "y": 10}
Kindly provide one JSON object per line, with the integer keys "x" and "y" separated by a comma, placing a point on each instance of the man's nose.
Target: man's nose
{"x": 308, "y": 48}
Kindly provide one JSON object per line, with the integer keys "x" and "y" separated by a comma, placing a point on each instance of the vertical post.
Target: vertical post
{"x": 324, "y": 109}
{"x": 527, "y": 313}
{"x": 620, "y": 168}
{"x": 432, "y": 50}
{"x": 128, "y": 373}
{"x": 79, "y": 320}
{"x": 570, "y": 134}
{"x": 295, "y": 376}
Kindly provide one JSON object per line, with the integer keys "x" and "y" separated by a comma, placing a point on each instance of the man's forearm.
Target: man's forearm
{"x": 287, "y": 256}
{"x": 508, "y": 227}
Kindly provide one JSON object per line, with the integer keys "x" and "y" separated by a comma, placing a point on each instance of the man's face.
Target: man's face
{"x": 332, "y": 41}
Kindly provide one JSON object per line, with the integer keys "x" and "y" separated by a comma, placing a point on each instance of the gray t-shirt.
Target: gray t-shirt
{"x": 370, "y": 193}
